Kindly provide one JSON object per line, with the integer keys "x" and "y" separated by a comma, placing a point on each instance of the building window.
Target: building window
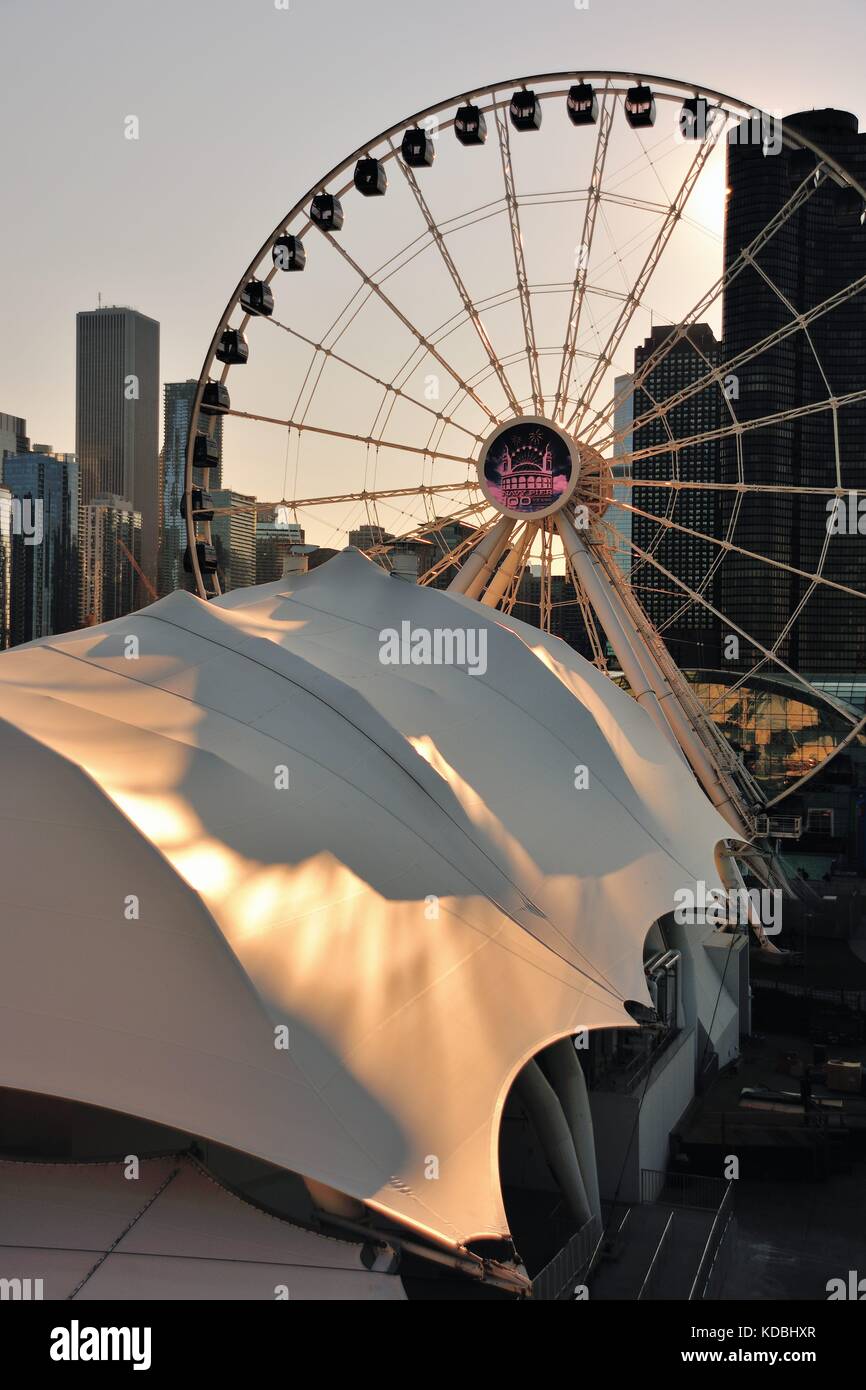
{"x": 819, "y": 821}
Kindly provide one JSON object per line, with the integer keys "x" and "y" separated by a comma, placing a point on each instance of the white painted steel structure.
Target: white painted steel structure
{"x": 491, "y": 377}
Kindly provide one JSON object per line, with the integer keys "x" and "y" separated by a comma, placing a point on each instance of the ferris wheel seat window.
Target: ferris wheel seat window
{"x": 257, "y": 299}
{"x": 215, "y": 398}
{"x": 326, "y": 212}
{"x": 205, "y": 452}
{"x": 849, "y": 209}
{"x": 525, "y": 111}
{"x": 207, "y": 558}
{"x": 470, "y": 126}
{"x": 417, "y": 148}
{"x": 694, "y": 118}
{"x": 202, "y": 505}
{"x": 371, "y": 178}
{"x": 288, "y": 253}
{"x": 582, "y": 104}
{"x": 640, "y": 107}
{"x": 233, "y": 348}
{"x": 801, "y": 163}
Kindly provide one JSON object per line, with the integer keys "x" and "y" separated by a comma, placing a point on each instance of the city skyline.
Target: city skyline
{"x": 433, "y": 670}
{"x": 182, "y": 280}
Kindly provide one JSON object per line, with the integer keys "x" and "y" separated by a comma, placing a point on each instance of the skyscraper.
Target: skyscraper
{"x": 234, "y": 538}
{"x": 276, "y": 537}
{"x": 690, "y": 629}
{"x": 368, "y": 535}
{"x": 810, "y": 258}
{"x": 111, "y": 541}
{"x": 13, "y": 436}
{"x": 617, "y": 517}
{"x": 117, "y": 413}
{"x": 45, "y": 550}
{"x": 5, "y": 567}
{"x": 178, "y": 397}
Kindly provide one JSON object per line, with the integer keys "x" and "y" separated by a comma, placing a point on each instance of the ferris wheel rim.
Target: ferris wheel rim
{"x": 664, "y": 89}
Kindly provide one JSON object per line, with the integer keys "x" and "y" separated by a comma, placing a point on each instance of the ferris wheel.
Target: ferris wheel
{"x": 468, "y": 337}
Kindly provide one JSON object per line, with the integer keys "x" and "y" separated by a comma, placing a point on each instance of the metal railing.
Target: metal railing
{"x": 623, "y": 1074}
{"x": 647, "y": 1288}
{"x": 682, "y": 1189}
{"x": 711, "y": 1270}
{"x": 557, "y": 1279}
{"x": 853, "y": 999}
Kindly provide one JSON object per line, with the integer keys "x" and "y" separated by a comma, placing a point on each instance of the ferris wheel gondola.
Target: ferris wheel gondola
{"x": 429, "y": 334}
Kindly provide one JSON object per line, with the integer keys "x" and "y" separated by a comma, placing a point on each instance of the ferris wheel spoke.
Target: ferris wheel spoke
{"x": 510, "y": 568}
{"x": 644, "y": 276}
{"x": 303, "y": 428}
{"x": 584, "y": 251}
{"x": 468, "y": 303}
{"x": 431, "y": 530}
{"x": 731, "y": 549}
{"x": 519, "y": 259}
{"x": 855, "y": 731}
{"x": 425, "y": 342}
{"x": 762, "y": 662}
{"x": 717, "y": 374}
{"x": 322, "y": 353}
{"x": 599, "y": 660}
{"x": 759, "y": 270}
{"x": 740, "y": 427}
{"x": 460, "y": 551}
{"x": 798, "y": 198}
{"x": 337, "y": 498}
{"x": 770, "y": 489}
{"x": 753, "y": 642}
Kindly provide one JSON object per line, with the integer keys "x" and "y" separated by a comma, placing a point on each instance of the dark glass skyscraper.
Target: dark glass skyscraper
{"x": 117, "y": 414}
{"x": 5, "y": 565}
{"x": 809, "y": 259}
{"x": 45, "y": 575}
{"x": 689, "y": 628}
{"x": 178, "y": 397}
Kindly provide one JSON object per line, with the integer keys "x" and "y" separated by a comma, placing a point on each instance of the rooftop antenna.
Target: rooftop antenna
{"x": 99, "y": 298}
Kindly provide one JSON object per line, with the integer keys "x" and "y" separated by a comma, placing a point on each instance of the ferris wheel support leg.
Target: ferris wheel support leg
{"x": 644, "y": 674}
{"x": 625, "y": 650}
{"x": 731, "y": 876}
{"x": 498, "y": 586}
{"x": 474, "y": 574}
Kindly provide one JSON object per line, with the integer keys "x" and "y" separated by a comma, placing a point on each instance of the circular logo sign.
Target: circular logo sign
{"x": 528, "y": 467}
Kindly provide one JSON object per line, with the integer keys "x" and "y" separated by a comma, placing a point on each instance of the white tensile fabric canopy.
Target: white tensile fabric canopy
{"x": 257, "y": 885}
{"x": 171, "y": 1232}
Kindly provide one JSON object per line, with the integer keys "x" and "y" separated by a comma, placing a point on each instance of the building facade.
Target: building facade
{"x": 13, "y": 436}
{"x": 111, "y": 547}
{"x": 616, "y": 517}
{"x": 680, "y": 560}
{"x": 117, "y": 414}
{"x": 234, "y": 537}
{"x": 810, "y": 258}
{"x": 45, "y": 498}
{"x": 178, "y": 397}
{"x": 276, "y": 538}
{"x": 5, "y": 567}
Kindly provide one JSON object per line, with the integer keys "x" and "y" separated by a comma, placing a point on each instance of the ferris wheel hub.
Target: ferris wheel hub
{"x": 528, "y": 467}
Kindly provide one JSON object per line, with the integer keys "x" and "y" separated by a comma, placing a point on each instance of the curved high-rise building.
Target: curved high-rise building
{"x": 809, "y": 258}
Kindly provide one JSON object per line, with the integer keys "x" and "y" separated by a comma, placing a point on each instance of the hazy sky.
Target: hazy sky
{"x": 243, "y": 105}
